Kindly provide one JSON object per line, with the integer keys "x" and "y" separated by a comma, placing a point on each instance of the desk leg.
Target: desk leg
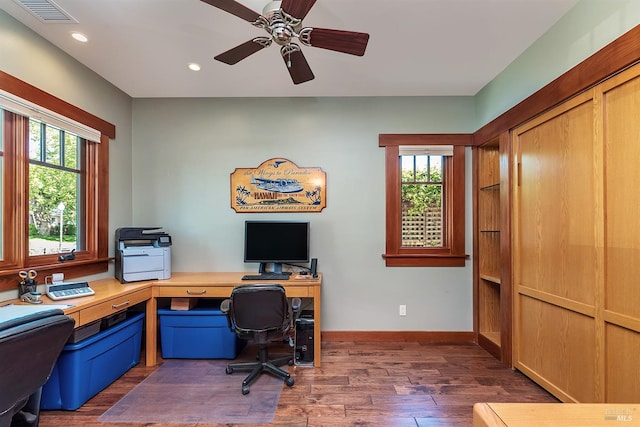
{"x": 151, "y": 343}
{"x": 316, "y": 328}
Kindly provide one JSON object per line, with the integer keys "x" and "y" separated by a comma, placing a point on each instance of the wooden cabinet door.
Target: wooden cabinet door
{"x": 621, "y": 310}
{"x": 557, "y": 215}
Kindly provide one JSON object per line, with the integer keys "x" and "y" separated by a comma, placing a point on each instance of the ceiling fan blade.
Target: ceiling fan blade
{"x": 240, "y": 52}
{"x": 297, "y": 8}
{"x": 296, "y": 63}
{"x": 235, "y": 8}
{"x": 340, "y": 41}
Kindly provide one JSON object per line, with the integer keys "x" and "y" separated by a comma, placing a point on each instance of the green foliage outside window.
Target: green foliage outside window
{"x": 422, "y": 192}
{"x": 53, "y": 183}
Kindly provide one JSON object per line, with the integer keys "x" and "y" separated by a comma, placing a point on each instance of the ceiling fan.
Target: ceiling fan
{"x": 283, "y": 21}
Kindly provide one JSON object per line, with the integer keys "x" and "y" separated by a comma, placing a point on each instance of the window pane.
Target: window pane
{"x": 71, "y": 151}
{"x": 53, "y": 195}
{"x": 52, "y": 145}
{"x": 1, "y": 182}
{"x": 422, "y": 201}
{"x": 35, "y": 144}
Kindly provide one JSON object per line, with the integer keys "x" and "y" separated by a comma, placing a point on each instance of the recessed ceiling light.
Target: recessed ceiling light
{"x": 194, "y": 67}
{"x": 80, "y": 37}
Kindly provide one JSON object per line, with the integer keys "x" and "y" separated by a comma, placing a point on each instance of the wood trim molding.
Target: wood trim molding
{"x": 611, "y": 59}
{"x": 452, "y": 254}
{"x": 455, "y": 139}
{"x": 31, "y": 93}
{"x": 95, "y": 258}
{"x": 399, "y": 336}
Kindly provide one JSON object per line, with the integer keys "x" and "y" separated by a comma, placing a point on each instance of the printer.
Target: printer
{"x": 142, "y": 253}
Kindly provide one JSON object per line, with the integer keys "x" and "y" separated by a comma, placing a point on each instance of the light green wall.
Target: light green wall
{"x": 27, "y": 56}
{"x": 186, "y": 149}
{"x": 587, "y": 28}
{"x": 171, "y": 161}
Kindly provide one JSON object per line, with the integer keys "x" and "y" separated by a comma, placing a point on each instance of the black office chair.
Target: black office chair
{"x": 261, "y": 313}
{"x": 29, "y": 348}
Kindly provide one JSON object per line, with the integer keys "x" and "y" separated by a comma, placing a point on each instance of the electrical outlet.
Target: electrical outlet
{"x": 403, "y": 310}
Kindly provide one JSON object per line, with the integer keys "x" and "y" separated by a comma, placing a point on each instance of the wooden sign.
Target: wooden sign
{"x": 278, "y": 185}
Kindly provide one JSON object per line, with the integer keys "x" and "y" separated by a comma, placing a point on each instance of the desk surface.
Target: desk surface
{"x": 112, "y": 296}
{"x": 555, "y": 414}
{"x": 107, "y": 289}
{"x": 229, "y": 278}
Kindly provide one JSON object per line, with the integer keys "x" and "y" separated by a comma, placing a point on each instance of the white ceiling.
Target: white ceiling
{"x": 416, "y": 47}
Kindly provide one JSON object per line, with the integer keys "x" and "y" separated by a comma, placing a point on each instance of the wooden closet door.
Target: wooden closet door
{"x": 557, "y": 266}
{"x": 621, "y": 106}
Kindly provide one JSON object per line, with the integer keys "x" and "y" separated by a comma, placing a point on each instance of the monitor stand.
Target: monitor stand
{"x": 277, "y": 268}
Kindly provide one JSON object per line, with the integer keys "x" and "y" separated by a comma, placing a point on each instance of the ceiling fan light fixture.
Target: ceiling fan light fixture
{"x": 271, "y": 8}
{"x": 194, "y": 66}
{"x": 282, "y": 34}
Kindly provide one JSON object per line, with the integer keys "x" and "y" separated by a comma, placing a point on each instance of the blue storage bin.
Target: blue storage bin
{"x": 89, "y": 366}
{"x": 199, "y": 333}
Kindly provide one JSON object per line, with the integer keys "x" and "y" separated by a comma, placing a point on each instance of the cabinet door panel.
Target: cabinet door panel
{"x": 622, "y": 171}
{"x": 623, "y": 375}
{"x": 555, "y": 197}
{"x": 559, "y": 347}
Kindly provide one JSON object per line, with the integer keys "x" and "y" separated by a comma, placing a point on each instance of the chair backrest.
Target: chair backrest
{"x": 259, "y": 308}
{"x": 29, "y": 349}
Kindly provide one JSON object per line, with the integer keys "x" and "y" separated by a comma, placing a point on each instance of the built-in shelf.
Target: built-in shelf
{"x": 489, "y": 290}
{"x": 491, "y": 279}
{"x": 491, "y": 187}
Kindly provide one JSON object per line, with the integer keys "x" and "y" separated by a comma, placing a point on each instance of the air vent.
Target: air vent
{"x": 47, "y": 11}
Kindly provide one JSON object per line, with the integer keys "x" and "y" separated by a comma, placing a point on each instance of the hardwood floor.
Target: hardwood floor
{"x": 363, "y": 384}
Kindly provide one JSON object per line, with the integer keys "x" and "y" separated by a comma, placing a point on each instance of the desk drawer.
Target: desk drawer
{"x": 75, "y": 316}
{"x": 298, "y": 291}
{"x": 114, "y": 305}
{"x": 204, "y": 291}
{"x": 195, "y": 291}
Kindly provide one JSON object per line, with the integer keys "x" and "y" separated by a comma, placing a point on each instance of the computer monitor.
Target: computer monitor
{"x": 277, "y": 242}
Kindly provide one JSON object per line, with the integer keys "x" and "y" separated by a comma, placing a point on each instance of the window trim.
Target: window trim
{"x": 453, "y": 253}
{"x": 96, "y": 257}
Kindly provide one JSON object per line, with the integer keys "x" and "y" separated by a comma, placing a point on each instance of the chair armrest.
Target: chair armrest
{"x": 296, "y": 306}
{"x": 224, "y": 309}
{"x": 224, "y": 306}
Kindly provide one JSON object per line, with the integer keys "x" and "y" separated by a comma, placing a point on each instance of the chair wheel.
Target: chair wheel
{"x": 290, "y": 381}
{"x": 245, "y": 389}
{"x": 290, "y": 362}
{"x": 229, "y": 370}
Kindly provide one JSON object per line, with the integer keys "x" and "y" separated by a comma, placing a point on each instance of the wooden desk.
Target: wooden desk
{"x": 555, "y": 414}
{"x": 220, "y": 285}
{"x": 111, "y": 296}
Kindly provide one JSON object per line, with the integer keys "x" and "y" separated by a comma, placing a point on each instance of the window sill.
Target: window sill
{"x": 425, "y": 260}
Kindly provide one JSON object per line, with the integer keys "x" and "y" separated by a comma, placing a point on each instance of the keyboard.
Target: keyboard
{"x": 268, "y": 276}
{"x": 58, "y": 291}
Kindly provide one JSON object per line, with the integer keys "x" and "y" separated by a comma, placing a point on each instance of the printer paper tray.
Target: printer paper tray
{"x": 142, "y": 263}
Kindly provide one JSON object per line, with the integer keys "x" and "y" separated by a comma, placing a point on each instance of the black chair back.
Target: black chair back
{"x": 29, "y": 349}
{"x": 259, "y": 308}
